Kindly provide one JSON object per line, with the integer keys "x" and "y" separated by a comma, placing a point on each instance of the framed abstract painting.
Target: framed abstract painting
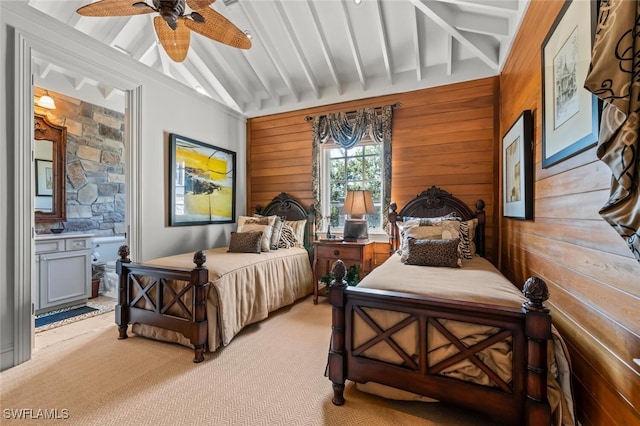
{"x": 202, "y": 183}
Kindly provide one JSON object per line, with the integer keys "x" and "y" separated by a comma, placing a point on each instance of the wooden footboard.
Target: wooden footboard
{"x": 522, "y": 400}
{"x": 145, "y": 296}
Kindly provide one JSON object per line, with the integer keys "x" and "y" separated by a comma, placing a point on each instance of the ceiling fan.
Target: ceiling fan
{"x": 173, "y": 25}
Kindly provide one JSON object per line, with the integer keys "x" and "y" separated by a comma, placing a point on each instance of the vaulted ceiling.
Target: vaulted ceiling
{"x": 313, "y": 52}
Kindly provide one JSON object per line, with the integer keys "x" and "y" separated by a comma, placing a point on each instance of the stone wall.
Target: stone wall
{"x": 95, "y": 181}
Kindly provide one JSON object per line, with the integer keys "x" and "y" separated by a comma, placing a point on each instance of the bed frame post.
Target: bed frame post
{"x": 482, "y": 218}
{"x": 393, "y": 235}
{"x": 199, "y": 279}
{"x": 538, "y": 332}
{"x": 122, "y": 308}
{"x": 336, "y": 351}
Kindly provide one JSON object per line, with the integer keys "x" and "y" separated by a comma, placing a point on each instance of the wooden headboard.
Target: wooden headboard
{"x": 291, "y": 209}
{"x": 437, "y": 202}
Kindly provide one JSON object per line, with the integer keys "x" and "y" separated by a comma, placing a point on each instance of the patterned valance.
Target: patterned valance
{"x": 347, "y": 132}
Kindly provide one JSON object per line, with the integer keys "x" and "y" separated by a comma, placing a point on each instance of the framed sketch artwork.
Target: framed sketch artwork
{"x": 517, "y": 169}
{"x": 570, "y": 112}
{"x": 202, "y": 183}
{"x": 44, "y": 178}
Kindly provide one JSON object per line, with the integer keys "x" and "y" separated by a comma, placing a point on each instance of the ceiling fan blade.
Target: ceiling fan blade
{"x": 175, "y": 42}
{"x": 219, "y": 28}
{"x": 199, "y": 4}
{"x": 114, "y": 8}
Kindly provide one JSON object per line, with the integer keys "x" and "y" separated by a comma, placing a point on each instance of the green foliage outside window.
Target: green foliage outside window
{"x": 356, "y": 168}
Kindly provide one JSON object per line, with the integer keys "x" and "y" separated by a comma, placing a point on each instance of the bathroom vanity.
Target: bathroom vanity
{"x": 63, "y": 271}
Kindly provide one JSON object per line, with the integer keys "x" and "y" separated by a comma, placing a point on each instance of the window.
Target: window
{"x": 359, "y": 167}
{"x": 351, "y": 152}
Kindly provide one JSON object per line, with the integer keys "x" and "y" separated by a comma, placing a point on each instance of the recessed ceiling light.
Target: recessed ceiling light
{"x": 248, "y": 34}
{"x": 357, "y": 1}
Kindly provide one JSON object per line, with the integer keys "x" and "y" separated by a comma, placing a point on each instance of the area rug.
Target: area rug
{"x": 72, "y": 314}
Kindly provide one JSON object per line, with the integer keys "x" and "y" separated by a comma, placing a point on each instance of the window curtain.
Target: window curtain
{"x": 613, "y": 77}
{"x": 347, "y": 133}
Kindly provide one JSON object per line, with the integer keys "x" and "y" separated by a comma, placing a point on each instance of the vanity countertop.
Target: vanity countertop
{"x": 63, "y": 235}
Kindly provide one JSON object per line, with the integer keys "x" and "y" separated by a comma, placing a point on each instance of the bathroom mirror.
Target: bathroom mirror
{"x": 49, "y": 170}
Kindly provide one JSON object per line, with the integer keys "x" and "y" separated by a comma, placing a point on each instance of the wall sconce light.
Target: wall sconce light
{"x": 46, "y": 101}
{"x": 357, "y": 204}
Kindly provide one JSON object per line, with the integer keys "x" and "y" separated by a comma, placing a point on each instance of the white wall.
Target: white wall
{"x": 165, "y": 107}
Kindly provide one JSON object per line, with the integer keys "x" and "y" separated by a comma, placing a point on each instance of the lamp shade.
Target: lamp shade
{"x": 46, "y": 101}
{"x": 358, "y": 203}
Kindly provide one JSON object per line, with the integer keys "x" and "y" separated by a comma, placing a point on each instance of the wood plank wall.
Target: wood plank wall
{"x": 444, "y": 136}
{"x": 594, "y": 281}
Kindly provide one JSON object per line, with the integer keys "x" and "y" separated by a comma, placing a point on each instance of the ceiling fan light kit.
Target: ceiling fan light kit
{"x": 173, "y": 26}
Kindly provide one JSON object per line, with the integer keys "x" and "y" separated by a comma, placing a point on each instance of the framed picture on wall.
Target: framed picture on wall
{"x": 44, "y": 178}
{"x": 202, "y": 183}
{"x": 570, "y": 112}
{"x": 517, "y": 168}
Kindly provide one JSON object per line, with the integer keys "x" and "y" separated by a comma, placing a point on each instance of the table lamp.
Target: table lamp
{"x": 357, "y": 204}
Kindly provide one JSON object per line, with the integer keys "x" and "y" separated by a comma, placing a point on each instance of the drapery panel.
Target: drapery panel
{"x": 347, "y": 132}
{"x": 614, "y": 77}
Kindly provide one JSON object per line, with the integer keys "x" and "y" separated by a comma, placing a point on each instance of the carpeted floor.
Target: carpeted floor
{"x": 270, "y": 374}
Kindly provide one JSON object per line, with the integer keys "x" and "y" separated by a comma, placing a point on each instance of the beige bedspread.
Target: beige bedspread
{"x": 243, "y": 289}
{"x": 476, "y": 281}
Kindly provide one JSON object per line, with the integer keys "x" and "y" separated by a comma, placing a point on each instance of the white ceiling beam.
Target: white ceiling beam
{"x": 481, "y": 24}
{"x": 80, "y": 82}
{"x": 416, "y": 43}
{"x": 297, "y": 48}
{"x": 324, "y": 46}
{"x": 355, "y": 52}
{"x": 268, "y": 46}
{"x": 449, "y": 54}
{"x": 505, "y": 8}
{"x": 45, "y": 72}
{"x": 115, "y": 30}
{"x": 201, "y": 75}
{"x": 384, "y": 44}
{"x": 442, "y": 15}
{"x": 259, "y": 74}
{"x": 210, "y": 55}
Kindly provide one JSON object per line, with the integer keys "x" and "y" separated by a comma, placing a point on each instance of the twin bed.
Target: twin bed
{"x": 458, "y": 332}
{"x": 207, "y": 305}
{"x": 463, "y": 335}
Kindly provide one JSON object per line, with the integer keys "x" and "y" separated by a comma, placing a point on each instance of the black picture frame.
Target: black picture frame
{"x": 202, "y": 183}
{"x": 570, "y": 113}
{"x": 517, "y": 168}
{"x": 44, "y": 178}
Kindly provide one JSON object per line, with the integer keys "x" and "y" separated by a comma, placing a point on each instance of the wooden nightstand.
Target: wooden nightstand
{"x": 325, "y": 252}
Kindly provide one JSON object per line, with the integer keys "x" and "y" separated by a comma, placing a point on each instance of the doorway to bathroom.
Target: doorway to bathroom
{"x": 76, "y": 248}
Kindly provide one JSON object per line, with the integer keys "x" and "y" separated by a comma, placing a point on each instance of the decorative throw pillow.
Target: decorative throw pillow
{"x": 298, "y": 227}
{"x": 434, "y": 252}
{"x": 439, "y": 231}
{"x": 246, "y": 242}
{"x": 264, "y": 224}
{"x": 426, "y": 221}
{"x": 275, "y": 233}
{"x": 472, "y": 224}
{"x": 287, "y": 237}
